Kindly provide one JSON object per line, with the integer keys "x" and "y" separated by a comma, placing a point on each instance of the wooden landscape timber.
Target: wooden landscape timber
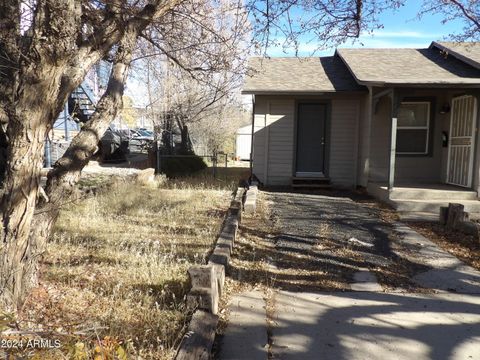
{"x": 207, "y": 283}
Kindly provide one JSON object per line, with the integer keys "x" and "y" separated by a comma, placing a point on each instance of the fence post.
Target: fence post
{"x": 159, "y": 164}
{"x": 214, "y": 160}
{"x": 65, "y": 123}
{"x": 226, "y": 166}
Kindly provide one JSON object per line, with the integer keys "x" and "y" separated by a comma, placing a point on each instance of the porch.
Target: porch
{"x": 425, "y": 198}
{"x": 423, "y": 154}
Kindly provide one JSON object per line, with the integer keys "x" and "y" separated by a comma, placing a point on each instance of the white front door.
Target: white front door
{"x": 462, "y": 140}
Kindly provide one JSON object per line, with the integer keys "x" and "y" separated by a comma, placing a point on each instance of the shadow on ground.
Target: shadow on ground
{"x": 376, "y": 326}
{"x": 316, "y": 241}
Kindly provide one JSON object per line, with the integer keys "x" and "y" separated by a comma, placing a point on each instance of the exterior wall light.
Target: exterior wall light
{"x": 445, "y": 109}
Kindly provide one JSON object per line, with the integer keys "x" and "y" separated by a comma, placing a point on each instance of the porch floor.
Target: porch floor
{"x": 425, "y": 197}
{"x": 425, "y": 186}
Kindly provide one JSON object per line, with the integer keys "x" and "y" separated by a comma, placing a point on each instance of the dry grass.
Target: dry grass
{"x": 252, "y": 254}
{"x": 224, "y": 178}
{"x": 117, "y": 264}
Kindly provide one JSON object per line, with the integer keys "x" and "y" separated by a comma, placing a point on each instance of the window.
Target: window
{"x": 413, "y": 125}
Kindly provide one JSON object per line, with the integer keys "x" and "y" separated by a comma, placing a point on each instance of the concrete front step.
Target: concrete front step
{"x": 431, "y": 194}
{"x": 433, "y": 206}
{"x": 412, "y": 216}
{"x": 312, "y": 186}
{"x": 310, "y": 182}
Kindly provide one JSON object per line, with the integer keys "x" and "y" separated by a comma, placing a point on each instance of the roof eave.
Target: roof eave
{"x": 377, "y": 83}
{"x": 420, "y": 84}
{"x": 299, "y": 92}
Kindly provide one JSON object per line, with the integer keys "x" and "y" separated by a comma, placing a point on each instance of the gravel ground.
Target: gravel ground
{"x": 338, "y": 233}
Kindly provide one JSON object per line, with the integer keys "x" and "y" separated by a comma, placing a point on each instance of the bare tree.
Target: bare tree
{"x": 215, "y": 132}
{"x": 325, "y": 23}
{"x": 44, "y": 56}
{"x": 194, "y": 73}
{"x": 330, "y": 23}
{"x": 189, "y": 101}
{"x": 466, "y": 11}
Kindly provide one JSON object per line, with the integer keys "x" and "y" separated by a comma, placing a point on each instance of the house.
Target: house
{"x": 243, "y": 142}
{"x": 400, "y": 122}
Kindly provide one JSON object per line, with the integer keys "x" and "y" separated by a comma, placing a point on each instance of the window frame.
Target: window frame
{"x": 427, "y": 128}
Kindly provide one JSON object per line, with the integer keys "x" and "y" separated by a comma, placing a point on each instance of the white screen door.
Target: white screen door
{"x": 460, "y": 149}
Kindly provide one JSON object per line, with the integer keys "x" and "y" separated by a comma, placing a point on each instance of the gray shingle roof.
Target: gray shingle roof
{"x": 468, "y": 52}
{"x": 408, "y": 67}
{"x": 299, "y": 75}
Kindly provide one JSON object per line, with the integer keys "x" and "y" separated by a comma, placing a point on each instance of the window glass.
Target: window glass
{"x": 413, "y": 125}
{"x": 412, "y": 141}
{"x": 413, "y": 114}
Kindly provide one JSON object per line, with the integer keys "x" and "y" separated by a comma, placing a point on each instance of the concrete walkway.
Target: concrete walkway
{"x": 370, "y": 326}
{"x": 371, "y": 322}
{"x": 446, "y": 272}
{"x": 246, "y": 334}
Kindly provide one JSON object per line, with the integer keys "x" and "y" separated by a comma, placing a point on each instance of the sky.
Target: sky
{"x": 401, "y": 29}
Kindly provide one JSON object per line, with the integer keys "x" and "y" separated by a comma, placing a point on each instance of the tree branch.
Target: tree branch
{"x": 469, "y": 15}
{"x": 9, "y": 55}
{"x": 85, "y": 143}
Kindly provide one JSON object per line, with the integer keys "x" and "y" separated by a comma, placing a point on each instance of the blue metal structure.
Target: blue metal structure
{"x": 78, "y": 109}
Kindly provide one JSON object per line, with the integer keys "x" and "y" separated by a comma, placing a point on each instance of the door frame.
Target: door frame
{"x": 326, "y": 153}
{"x": 473, "y": 142}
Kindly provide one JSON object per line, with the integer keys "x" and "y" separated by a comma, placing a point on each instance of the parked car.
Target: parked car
{"x": 141, "y": 139}
{"x": 145, "y": 134}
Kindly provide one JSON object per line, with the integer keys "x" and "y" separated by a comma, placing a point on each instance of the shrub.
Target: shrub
{"x": 182, "y": 166}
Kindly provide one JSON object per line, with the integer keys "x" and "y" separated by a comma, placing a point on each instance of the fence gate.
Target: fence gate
{"x": 462, "y": 140}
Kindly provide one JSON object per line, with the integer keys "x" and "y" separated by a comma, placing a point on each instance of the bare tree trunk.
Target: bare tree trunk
{"x": 29, "y": 119}
{"x": 186, "y": 147}
{"x": 25, "y": 156}
{"x": 21, "y": 229}
{"x": 28, "y": 112}
{"x": 62, "y": 180}
{"x": 3, "y": 154}
{"x": 32, "y": 88}
{"x": 39, "y": 70}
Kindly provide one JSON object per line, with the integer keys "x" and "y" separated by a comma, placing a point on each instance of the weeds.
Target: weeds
{"x": 117, "y": 264}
